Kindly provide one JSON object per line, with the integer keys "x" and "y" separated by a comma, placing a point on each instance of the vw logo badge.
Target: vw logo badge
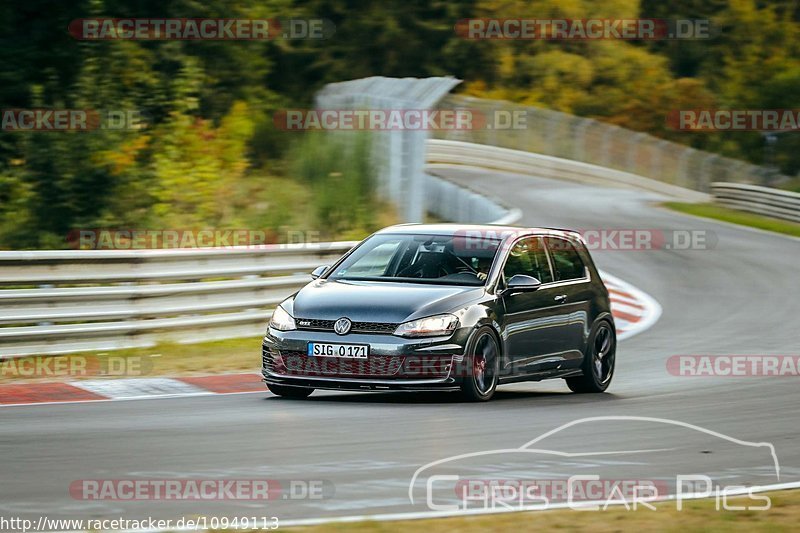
{"x": 342, "y": 326}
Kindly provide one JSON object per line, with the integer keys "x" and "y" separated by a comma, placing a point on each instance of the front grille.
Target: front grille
{"x": 358, "y": 327}
{"x": 269, "y": 359}
{"x": 299, "y": 364}
{"x": 317, "y": 325}
{"x": 296, "y": 363}
{"x": 374, "y": 327}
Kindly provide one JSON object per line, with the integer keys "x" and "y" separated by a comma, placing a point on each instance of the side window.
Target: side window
{"x": 566, "y": 261}
{"x": 528, "y": 257}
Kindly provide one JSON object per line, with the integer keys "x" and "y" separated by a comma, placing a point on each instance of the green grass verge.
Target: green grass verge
{"x": 165, "y": 359}
{"x": 743, "y": 218}
{"x": 697, "y": 515}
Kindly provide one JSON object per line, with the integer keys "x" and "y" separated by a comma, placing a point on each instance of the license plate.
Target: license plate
{"x": 347, "y": 351}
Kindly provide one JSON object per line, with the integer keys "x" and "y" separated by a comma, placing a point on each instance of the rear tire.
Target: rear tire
{"x": 483, "y": 362}
{"x": 290, "y": 392}
{"x": 598, "y": 361}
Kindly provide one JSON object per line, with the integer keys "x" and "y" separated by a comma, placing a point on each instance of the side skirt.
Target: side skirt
{"x": 540, "y": 376}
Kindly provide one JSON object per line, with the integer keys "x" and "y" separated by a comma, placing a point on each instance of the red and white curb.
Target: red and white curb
{"x": 633, "y": 310}
{"x": 94, "y": 390}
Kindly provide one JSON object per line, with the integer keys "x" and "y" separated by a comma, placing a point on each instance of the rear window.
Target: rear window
{"x": 567, "y": 263}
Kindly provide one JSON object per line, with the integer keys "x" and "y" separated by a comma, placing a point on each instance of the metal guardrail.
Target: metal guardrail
{"x": 64, "y": 301}
{"x": 761, "y": 200}
{"x": 175, "y": 295}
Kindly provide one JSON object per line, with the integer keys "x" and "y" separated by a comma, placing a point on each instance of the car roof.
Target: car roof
{"x": 454, "y": 229}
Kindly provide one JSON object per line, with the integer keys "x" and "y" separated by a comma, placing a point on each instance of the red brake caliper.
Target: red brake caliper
{"x": 480, "y": 365}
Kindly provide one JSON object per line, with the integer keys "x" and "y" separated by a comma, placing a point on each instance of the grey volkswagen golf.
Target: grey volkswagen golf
{"x": 446, "y": 307}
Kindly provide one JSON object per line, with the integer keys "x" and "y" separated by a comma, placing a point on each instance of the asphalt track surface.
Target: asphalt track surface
{"x": 741, "y": 297}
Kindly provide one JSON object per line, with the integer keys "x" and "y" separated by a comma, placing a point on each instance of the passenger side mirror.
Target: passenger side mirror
{"x": 320, "y": 270}
{"x": 521, "y": 283}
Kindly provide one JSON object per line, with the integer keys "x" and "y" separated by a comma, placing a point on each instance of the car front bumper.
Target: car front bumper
{"x": 394, "y": 363}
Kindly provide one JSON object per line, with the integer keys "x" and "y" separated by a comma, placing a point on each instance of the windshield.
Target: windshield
{"x": 434, "y": 259}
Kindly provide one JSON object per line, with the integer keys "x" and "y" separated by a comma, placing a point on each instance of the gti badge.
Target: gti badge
{"x": 342, "y": 326}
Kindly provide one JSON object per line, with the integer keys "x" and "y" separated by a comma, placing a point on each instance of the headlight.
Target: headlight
{"x": 433, "y": 326}
{"x": 281, "y": 320}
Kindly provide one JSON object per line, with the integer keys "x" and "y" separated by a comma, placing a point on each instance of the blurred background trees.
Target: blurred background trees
{"x": 210, "y": 155}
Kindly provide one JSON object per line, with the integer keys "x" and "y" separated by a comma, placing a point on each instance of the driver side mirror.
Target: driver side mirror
{"x": 320, "y": 270}
{"x": 521, "y": 283}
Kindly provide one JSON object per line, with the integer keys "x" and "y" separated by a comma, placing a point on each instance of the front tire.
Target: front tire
{"x": 598, "y": 361}
{"x": 289, "y": 392}
{"x": 483, "y": 361}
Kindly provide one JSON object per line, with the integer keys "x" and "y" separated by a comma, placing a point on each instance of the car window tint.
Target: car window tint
{"x": 566, "y": 261}
{"x": 376, "y": 261}
{"x": 528, "y": 257}
{"x": 439, "y": 258}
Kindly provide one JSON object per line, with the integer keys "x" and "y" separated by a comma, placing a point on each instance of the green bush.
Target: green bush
{"x": 339, "y": 169}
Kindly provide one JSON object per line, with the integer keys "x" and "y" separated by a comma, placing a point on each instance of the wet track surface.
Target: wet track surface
{"x": 740, "y": 297}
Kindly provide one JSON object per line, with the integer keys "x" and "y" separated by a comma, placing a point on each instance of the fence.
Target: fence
{"x": 399, "y": 154}
{"x": 590, "y": 141}
{"x": 507, "y": 160}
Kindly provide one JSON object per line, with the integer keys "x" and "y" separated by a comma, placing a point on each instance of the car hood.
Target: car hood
{"x": 365, "y": 301}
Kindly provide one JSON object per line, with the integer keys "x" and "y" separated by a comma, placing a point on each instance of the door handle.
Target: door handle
{"x": 561, "y": 298}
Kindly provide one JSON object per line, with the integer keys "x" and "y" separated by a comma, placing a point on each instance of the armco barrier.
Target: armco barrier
{"x": 755, "y": 199}
{"x": 176, "y": 295}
